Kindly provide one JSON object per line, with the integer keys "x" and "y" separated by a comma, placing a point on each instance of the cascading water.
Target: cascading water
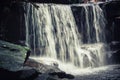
{"x": 92, "y": 24}
{"x": 51, "y": 32}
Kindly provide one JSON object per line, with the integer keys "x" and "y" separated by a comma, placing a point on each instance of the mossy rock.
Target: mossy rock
{"x": 12, "y": 56}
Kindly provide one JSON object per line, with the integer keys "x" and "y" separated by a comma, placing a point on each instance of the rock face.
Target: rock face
{"x": 113, "y": 28}
{"x": 113, "y": 21}
{"x": 18, "y": 75}
{"x": 41, "y": 67}
{"x": 12, "y": 22}
{"x": 62, "y": 75}
{"x": 11, "y": 65}
{"x": 11, "y": 56}
{"x": 115, "y": 52}
{"x": 48, "y": 72}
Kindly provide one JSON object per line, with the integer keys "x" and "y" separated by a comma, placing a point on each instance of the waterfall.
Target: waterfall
{"x": 51, "y": 32}
{"x": 92, "y": 24}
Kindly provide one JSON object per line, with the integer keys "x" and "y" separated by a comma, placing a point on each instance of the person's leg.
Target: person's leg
{"x": 27, "y": 56}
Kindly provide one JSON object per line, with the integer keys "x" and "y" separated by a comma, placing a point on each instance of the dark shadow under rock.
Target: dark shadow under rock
{"x": 62, "y": 75}
{"x": 114, "y": 54}
{"x": 18, "y": 75}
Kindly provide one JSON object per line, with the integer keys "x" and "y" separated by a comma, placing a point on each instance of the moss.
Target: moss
{"x": 12, "y": 56}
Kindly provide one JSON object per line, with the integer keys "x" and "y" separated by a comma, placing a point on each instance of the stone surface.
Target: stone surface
{"x": 11, "y": 56}
{"x": 40, "y": 66}
{"x": 11, "y": 65}
{"x": 12, "y": 22}
{"x": 29, "y": 74}
{"x": 49, "y": 72}
{"x": 62, "y": 75}
{"x": 112, "y": 27}
{"x": 114, "y": 54}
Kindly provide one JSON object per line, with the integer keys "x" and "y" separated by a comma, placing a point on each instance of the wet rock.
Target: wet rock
{"x": 12, "y": 27}
{"x": 11, "y": 56}
{"x": 30, "y": 74}
{"x": 114, "y": 54}
{"x": 49, "y": 72}
{"x": 112, "y": 10}
{"x": 114, "y": 45}
{"x": 117, "y": 28}
{"x": 111, "y": 72}
{"x": 41, "y": 67}
{"x": 32, "y": 63}
{"x": 62, "y": 75}
{"x": 11, "y": 65}
{"x": 116, "y": 57}
{"x": 55, "y": 76}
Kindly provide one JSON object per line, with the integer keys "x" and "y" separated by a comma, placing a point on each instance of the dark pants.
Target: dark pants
{"x": 27, "y": 56}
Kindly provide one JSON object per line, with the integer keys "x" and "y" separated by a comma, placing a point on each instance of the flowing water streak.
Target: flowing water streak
{"x": 99, "y": 23}
{"x": 51, "y": 31}
{"x": 92, "y": 23}
{"x": 66, "y": 34}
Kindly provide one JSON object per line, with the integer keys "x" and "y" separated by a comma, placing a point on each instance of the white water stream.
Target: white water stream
{"x": 52, "y": 33}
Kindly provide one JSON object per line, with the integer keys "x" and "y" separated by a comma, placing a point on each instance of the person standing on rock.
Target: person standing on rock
{"x": 26, "y": 47}
{"x": 27, "y": 56}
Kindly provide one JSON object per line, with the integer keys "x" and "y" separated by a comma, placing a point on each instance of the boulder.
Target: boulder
{"x": 112, "y": 10}
{"x": 29, "y": 74}
{"x": 49, "y": 72}
{"x": 114, "y": 54}
{"x": 40, "y": 66}
{"x": 62, "y": 75}
{"x": 12, "y": 56}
